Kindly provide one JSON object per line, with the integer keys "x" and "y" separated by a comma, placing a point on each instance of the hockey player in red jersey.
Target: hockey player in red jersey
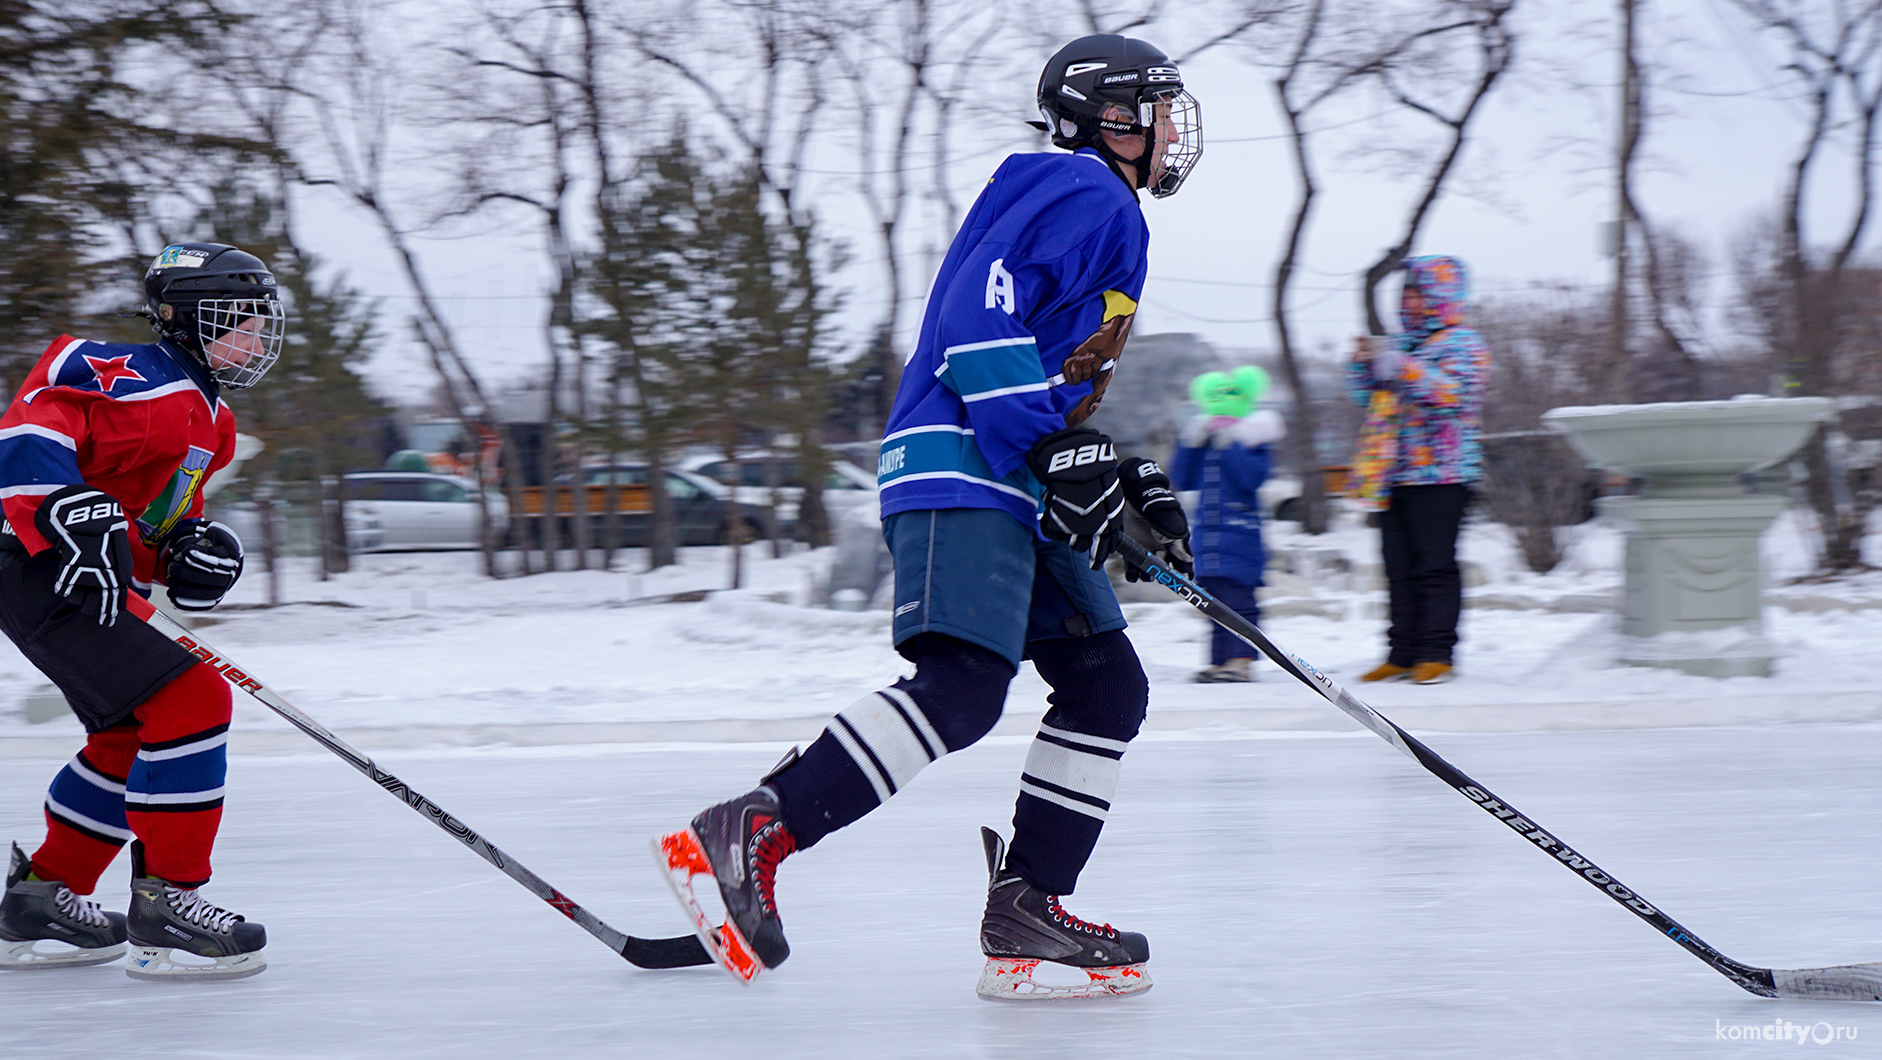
{"x": 103, "y": 456}
{"x": 999, "y": 508}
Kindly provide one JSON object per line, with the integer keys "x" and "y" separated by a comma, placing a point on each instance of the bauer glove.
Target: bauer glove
{"x": 200, "y": 561}
{"x": 1083, "y": 505}
{"x": 1148, "y": 490}
{"x": 94, "y": 542}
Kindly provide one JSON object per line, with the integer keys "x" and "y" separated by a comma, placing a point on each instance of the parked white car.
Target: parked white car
{"x": 846, "y": 486}
{"x": 419, "y": 511}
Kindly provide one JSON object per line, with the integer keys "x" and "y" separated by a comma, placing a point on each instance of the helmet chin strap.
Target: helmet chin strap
{"x": 1117, "y": 162}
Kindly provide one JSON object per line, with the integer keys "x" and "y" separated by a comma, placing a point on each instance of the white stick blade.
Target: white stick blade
{"x": 1842, "y": 982}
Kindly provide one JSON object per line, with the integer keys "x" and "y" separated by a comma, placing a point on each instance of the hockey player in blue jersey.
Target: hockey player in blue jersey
{"x": 999, "y": 508}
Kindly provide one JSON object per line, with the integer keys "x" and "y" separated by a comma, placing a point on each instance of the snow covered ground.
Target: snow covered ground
{"x": 421, "y": 650}
{"x": 1308, "y": 891}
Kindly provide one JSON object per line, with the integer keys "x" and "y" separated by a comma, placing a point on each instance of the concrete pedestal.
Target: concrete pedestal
{"x": 1692, "y": 595}
{"x": 1693, "y": 574}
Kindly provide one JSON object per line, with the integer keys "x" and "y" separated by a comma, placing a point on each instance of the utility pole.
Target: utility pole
{"x": 1619, "y": 383}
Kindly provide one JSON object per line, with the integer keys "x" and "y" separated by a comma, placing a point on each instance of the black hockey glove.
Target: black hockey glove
{"x": 1083, "y": 505}
{"x": 1148, "y": 490}
{"x": 200, "y": 561}
{"x": 94, "y": 543}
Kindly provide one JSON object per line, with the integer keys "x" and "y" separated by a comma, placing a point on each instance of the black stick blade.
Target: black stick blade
{"x": 681, "y": 951}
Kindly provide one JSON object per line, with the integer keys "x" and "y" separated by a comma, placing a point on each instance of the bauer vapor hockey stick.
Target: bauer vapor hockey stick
{"x": 681, "y": 952}
{"x": 1843, "y": 982}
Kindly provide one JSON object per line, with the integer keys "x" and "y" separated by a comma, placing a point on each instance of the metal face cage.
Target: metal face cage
{"x": 1174, "y": 119}
{"x": 217, "y": 317}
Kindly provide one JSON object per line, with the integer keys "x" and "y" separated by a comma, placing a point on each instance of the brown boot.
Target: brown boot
{"x": 1386, "y": 672}
{"x": 1430, "y": 673}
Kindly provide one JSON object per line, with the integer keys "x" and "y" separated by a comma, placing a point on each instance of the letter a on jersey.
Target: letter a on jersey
{"x": 1000, "y": 287}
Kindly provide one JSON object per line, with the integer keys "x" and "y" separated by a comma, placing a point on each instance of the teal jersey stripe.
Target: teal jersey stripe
{"x": 946, "y": 453}
{"x": 999, "y": 366}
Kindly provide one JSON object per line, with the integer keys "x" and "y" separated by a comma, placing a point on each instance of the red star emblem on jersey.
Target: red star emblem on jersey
{"x": 111, "y": 369}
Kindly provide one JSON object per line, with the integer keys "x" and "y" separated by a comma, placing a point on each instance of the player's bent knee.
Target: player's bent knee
{"x": 960, "y": 687}
{"x": 196, "y": 700}
{"x": 1098, "y": 679}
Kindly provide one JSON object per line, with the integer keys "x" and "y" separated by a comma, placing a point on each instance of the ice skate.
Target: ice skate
{"x": 738, "y": 843}
{"x": 44, "y": 925}
{"x": 177, "y": 935}
{"x": 1024, "y": 926}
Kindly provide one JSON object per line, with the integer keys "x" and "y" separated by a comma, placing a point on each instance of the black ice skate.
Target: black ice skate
{"x": 44, "y": 925}
{"x": 739, "y": 844}
{"x": 178, "y": 935}
{"x": 1024, "y": 926}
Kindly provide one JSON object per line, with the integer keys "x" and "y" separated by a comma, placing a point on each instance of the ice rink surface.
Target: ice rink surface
{"x": 1311, "y": 895}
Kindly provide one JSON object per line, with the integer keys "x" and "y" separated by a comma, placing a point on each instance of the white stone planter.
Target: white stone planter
{"x": 1692, "y": 599}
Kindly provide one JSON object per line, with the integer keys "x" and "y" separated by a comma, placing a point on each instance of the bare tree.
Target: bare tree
{"x": 771, "y": 123}
{"x": 536, "y": 49}
{"x": 1833, "y": 55}
{"x": 356, "y": 110}
{"x": 1417, "y": 71}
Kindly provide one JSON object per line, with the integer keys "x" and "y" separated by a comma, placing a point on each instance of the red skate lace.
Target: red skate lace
{"x": 773, "y": 843}
{"x": 1059, "y": 914}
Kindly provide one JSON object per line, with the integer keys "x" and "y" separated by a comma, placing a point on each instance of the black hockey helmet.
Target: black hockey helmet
{"x": 197, "y": 293}
{"x": 1089, "y": 76}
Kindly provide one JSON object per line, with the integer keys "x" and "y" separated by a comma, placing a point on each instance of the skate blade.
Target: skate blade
{"x": 25, "y": 957}
{"x": 1011, "y": 979}
{"x": 681, "y": 857}
{"x": 162, "y": 964}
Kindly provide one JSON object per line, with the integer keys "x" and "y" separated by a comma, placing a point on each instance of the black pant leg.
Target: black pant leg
{"x": 1433, "y": 517}
{"x": 1396, "y": 548}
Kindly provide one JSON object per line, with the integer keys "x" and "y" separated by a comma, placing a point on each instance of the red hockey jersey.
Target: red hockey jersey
{"x": 144, "y": 423}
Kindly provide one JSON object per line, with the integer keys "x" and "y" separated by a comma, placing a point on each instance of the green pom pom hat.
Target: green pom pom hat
{"x": 1233, "y": 393}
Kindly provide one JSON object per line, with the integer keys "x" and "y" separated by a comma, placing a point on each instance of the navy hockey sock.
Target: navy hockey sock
{"x": 1099, "y": 695}
{"x": 876, "y": 746}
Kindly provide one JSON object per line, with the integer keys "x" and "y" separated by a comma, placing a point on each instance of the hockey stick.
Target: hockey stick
{"x": 680, "y": 952}
{"x": 1842, "y": 982}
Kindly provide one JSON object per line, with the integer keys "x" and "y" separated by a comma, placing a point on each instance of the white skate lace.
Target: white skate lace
{"x": 76, "y": 908}
{"x": 193, "y": 907}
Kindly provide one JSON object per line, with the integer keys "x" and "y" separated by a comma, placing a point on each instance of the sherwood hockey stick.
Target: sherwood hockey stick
{"x": 1843, "y": 982}
{"x": 681, "y": 952}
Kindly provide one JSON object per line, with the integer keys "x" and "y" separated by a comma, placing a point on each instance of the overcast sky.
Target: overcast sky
{"x": 1534, "y": 186}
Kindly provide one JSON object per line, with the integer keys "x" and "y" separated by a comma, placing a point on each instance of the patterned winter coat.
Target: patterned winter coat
{"x": 1424, "y": 396}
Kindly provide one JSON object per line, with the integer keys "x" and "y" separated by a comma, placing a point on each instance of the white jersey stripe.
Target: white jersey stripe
{"x": 963, "y": 476}
{"x": 933, "y": 428}
{"x": 1023, "y": 388}
{"x": 990, "y": 344}
{"x": 36, "y": 430}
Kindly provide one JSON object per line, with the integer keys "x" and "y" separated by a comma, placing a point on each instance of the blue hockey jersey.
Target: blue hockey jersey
{"x": 1021, "y": 332}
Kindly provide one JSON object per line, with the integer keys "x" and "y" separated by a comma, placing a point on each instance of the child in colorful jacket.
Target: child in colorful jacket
{"x": 1419, "y": 452}
{"x": 1224, "y": 455}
